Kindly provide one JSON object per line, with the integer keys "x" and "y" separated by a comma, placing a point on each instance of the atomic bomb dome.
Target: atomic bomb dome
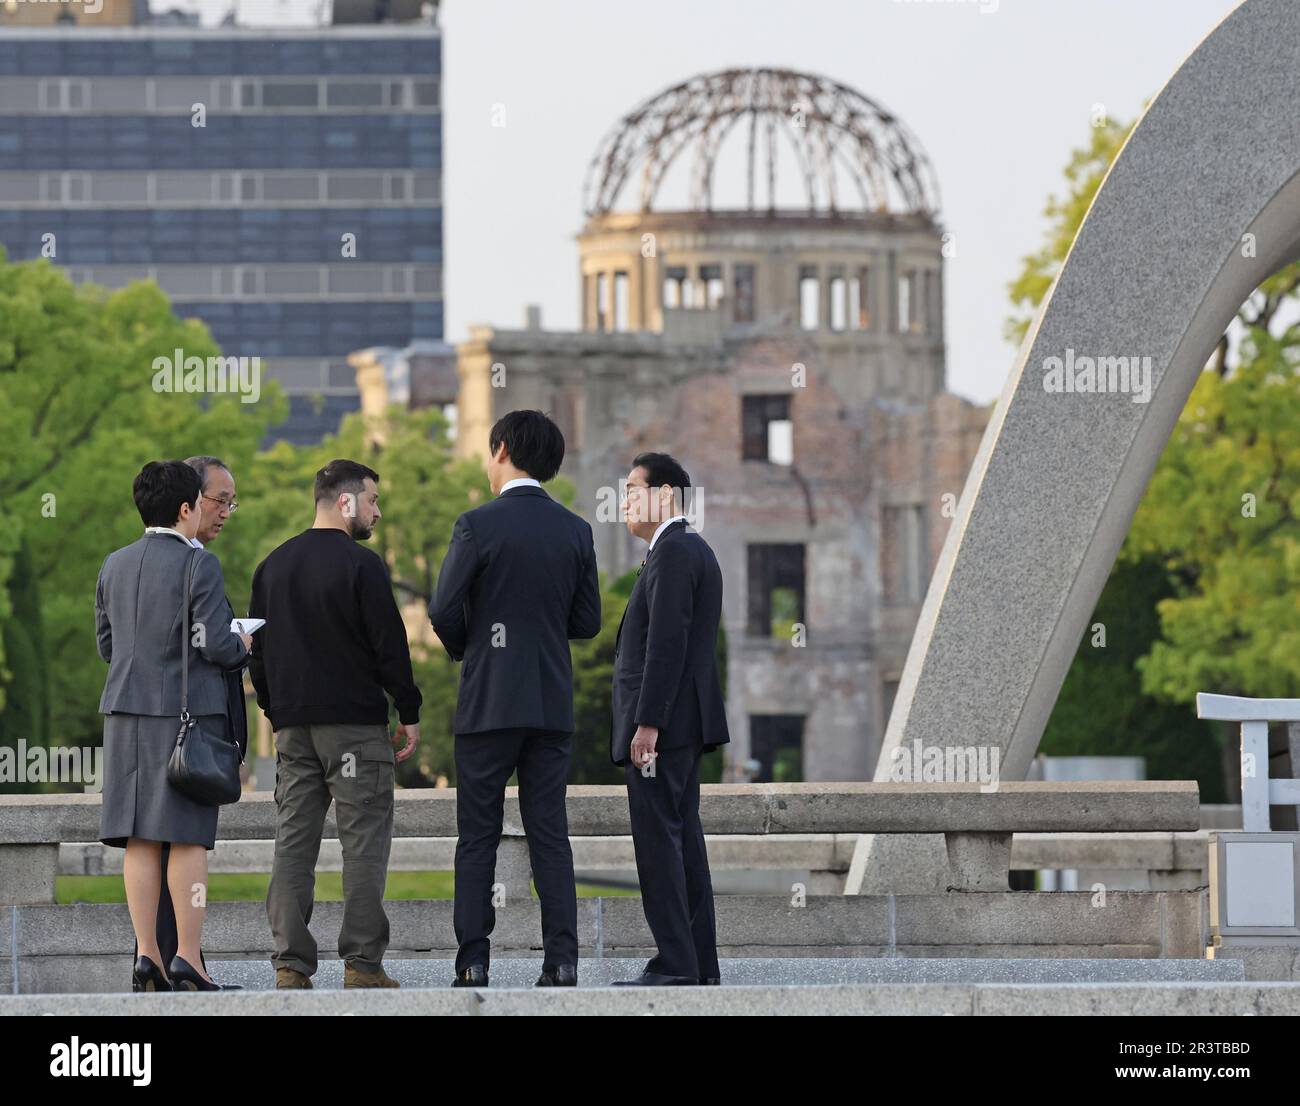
{"x": 774, "y": 197}
{"x": 841, "y": 150}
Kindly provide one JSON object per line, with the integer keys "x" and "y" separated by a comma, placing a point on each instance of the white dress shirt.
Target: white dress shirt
{"x": 519, "y": 482}
{"x": 664, "y": 526}
{"x": 169, "y": 530}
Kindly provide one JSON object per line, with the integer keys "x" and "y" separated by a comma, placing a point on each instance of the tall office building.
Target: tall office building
{"x": 284, "y": 185}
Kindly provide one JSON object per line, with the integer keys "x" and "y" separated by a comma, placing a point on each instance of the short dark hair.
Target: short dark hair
{"x": 160, "y": 489}
{"x": 533, "y": 441}
{"x": 342, "y": 476}
{"x": 661, "y": 469}
{"x": 202, "y": 463}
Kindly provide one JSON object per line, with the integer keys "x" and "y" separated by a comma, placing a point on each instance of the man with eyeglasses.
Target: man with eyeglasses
{"x": 218, "y": 504}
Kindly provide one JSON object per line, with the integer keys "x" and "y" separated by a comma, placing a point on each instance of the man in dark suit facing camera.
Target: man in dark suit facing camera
{"x": 518, "y": 581}
{"x": 668, "y": 712}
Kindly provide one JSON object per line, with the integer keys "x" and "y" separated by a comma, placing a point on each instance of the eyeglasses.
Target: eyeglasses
{"x": 231, "y": 505}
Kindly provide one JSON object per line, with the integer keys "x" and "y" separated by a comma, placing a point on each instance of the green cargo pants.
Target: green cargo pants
{"x": 353, "y": 765}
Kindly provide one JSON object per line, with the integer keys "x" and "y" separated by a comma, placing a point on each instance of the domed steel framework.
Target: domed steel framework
{"x": 834, "y": 132}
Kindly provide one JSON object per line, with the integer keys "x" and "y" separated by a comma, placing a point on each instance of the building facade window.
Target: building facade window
{"x": 860, "y": 299}
{"x": 911, "y": 308}
{"x": 743, "y": 283}
{"x": 675, "y": 286}
{"x": 932, "y": 325}
{"x": 620, "y": 301}
{"x": 838, "y": 290}
{"x": 150, "y": 95}
{"x": 712, "y": 286}
{"x": 776, "y": 743}
{"x": 767, "y": 432}
{"x": 776, "y": 582}
{"x": 810, "y": 300}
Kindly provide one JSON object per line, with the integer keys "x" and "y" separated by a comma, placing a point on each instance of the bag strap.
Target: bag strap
{"x": 185, "y": 638}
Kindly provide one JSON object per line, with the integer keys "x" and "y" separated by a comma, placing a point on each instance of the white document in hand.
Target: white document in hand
{"x": 246, "y": 625}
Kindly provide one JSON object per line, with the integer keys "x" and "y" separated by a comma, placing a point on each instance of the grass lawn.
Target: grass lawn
{"x": 252, "y": 887}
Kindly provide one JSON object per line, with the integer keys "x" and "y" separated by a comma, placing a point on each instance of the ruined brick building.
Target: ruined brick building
{"x": 791, "y": 355}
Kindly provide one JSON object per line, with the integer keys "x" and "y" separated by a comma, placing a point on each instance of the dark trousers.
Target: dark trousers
{"x": 672, "y": 864}
{"x": 484, "y": 762}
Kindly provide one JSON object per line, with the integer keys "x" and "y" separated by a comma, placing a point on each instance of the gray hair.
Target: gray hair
{"x": 201, "y": 466}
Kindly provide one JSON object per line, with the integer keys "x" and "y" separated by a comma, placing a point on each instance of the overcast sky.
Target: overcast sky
{"x": 997, "y": 91}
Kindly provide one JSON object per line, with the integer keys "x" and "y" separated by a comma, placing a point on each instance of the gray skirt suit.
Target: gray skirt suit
{"x": 138, "y": 620}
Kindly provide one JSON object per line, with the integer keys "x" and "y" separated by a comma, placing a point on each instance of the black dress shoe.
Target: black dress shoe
{"x": 203, "y": 960}
{"x": 147, "y": 976}
{"x": 564, "y": 975}
{"x": 654, "y": 979}
{"x": 185, "y": 978}
{"x": 474, "y": 976}
{"x": 710, "y": 981}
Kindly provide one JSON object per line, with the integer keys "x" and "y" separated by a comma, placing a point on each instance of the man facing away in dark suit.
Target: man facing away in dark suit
{"x": 668, "y": 712}
{"x": 219, "y": 503}
{"x": 518, "y": 581}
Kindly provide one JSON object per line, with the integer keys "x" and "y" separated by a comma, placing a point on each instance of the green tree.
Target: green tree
{"x": 1223, "y": 516}
{"x": 26, "y": 713}
{"x": 1106, "y": 707}
{"x": 79, "y": 416}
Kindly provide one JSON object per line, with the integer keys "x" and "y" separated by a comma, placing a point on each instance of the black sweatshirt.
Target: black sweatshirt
{"x": 334, "y": 641}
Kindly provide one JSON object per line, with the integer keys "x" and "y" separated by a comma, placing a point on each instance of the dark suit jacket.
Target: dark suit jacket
{"x": 665, "y": 668}
{"x": 518, "y": 581}
{"x": 237, "y": 707}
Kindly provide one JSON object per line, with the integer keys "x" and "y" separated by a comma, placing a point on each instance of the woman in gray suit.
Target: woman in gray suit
{"x": 139, "y": 625}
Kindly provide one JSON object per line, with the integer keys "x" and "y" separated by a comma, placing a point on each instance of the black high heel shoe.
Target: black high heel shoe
{"x": 185, "y": 978}
{"x": 147, "y": 976}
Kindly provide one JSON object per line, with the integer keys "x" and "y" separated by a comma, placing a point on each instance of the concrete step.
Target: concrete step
{"x": 1197, "y": 999}
{"x": 1010, "y": 925}
{"x": 508, "y": 972}
{"x": 107, "y": 974}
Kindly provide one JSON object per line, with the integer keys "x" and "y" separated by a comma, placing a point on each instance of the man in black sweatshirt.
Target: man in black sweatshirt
{"x": 333, "y": 644}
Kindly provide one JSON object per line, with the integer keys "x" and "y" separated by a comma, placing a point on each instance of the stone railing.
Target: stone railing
{"x": 978, "y": 826}
{"x": 49, "y": 947}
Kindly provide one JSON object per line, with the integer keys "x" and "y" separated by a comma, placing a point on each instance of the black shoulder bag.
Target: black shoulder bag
{"x": 204, "y": 766}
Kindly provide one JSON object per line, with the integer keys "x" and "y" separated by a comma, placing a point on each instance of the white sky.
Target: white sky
{"x": 998, "y": 99}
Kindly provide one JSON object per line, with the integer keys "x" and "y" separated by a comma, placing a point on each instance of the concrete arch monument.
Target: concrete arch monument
{"x": 1201, "y": 205}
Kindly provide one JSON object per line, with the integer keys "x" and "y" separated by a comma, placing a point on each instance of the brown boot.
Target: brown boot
{"x": 353, "y": 977}
{"x": 290, "y": 979}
